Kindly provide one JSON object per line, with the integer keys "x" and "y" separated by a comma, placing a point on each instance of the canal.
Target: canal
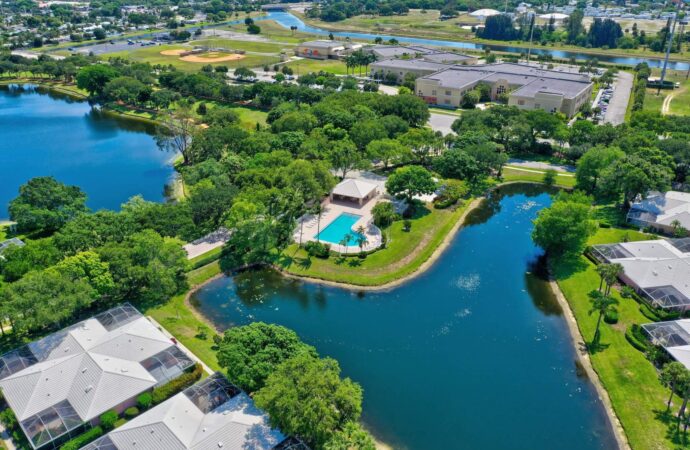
{"x": 472, "y": 354}
{"x": 287, "y": 20}
{"x": 111, "y": 158}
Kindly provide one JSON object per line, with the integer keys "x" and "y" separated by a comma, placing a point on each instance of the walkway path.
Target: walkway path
{"x": 207, "y": 243}
{"x": 514, "y": 162}
{"x": 618, "y": 105}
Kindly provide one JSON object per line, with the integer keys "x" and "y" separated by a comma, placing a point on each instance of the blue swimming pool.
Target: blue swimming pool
{"x": 336, "y": 230}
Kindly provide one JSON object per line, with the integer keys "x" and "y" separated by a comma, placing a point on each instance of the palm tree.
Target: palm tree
{"x": 609, "y": 273}
{"x": 318, "y": 210}
{"x": 602, "y": 304}
{"x": 345, "y": 241}
{"x": 361, "y": 238}
{"x": 670, "y": 376}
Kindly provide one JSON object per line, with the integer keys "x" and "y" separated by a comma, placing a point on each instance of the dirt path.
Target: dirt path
{"x": 666, "y": 106}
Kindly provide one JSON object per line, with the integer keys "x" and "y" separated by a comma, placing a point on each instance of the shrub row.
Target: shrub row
{"x": 83, "y": 439}
{"x": 162, "y": 393}
{"x": 208, "y": 258}
{"x": 635, "y": 336}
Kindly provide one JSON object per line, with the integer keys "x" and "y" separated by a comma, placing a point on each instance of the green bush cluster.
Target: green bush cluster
{"x": 317, "y": 249}
{"x": 640, "y": 88}
{"x": 83, "y": 439}
{"x": 108, "y": 419}
{"x": 611, "y": 317}
{"x": 162, "y": 393}
{"x": 132, "y": 411}
{"x": 144, "y": 400}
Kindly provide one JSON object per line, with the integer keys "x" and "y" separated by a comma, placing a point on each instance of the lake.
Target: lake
{"x": 287, "y": 20}
{"x": 111, "y": 158}
{"x": 472, "y": 354}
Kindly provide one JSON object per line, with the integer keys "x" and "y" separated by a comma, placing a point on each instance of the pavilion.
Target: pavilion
{"x": 352, "y": 190}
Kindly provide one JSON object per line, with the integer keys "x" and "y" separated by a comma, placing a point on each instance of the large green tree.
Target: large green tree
{"x": 93, "y": 78}
{"x": 564, "y": 227}
{"x": 408, "y": 182}
{"x": 252, "y": 352}
{"x": 305, "y": 397}
{"x": 44, "y": 205}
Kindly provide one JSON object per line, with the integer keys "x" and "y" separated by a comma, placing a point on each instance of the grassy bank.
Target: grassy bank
{"x": 629, "y": 378}
{"x": 184, "y": 323}
{"x": 563, "y": 180}
{"x": 405, "y": 253}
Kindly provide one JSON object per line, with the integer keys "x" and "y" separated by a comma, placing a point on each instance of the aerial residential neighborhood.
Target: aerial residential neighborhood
{"x": 344, "y": 225}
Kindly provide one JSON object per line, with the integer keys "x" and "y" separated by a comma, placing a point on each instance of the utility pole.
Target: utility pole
{"x": 533, "y": 21}
{"x": 668, "y": 48}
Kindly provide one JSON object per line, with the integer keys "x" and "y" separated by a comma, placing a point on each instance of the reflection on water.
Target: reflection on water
{"x": 111, "y": 158}
{"x": 477, "y": 340}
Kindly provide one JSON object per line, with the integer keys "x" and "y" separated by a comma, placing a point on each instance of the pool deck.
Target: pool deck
{"x": 308, "y": 225}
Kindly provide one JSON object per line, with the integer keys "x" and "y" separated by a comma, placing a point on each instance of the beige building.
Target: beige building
{"x": 382, "y": 70}
{"x": 325, "y": 49}
{"x": 527, "y": 87}
{"x": 384, "y": 52}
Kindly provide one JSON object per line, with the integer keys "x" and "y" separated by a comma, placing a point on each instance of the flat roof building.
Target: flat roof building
{"x": 71, "y": 377}
{"x": 662, "y": 211}
{"x": 384, "y": 52}
{"x": 325, "y": 49}
{"x": 213, "y": 414}
{"x": 527, "y": 87}
{"x": 384, "y": 70}
{"x": 658, "y": 270}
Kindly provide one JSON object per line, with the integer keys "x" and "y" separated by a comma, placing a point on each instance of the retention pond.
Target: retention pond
{"x": 109, "y": 157}
{"x": 472, "y": 354}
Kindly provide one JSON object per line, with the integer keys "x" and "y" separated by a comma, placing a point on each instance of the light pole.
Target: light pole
{"x": 668, "y": 48}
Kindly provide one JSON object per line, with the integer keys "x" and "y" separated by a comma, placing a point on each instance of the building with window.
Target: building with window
{"x": 665, "y": 213}
{"x": 400, "y": 68}
{"x": 60, "y": 383}
{"x": 213, "y": 414}
{"x": 325, "y": 49}
{"x": 384, "y": 52}
{"x": 659, "y": 271}
{"x": 527, "y": 87}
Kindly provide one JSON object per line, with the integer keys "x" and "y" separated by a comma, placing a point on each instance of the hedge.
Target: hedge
{"x": 83, "y": 439}
{"x": 611, "y": 317}
{"x": 633, "y": 335}
{"x": 162, "y": 393}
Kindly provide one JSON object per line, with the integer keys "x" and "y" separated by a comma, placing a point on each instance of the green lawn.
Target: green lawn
{"x": 247, "y": 46}
{"x": 680, "y": 104}
{"x": 536, "y": 175}
{"x": 405, "y": 253}
{"x": 629, "y": 378}
{"x": 153, "y": 55}
{"x": 303, "y": 66}
{"x": 182, "y": 323}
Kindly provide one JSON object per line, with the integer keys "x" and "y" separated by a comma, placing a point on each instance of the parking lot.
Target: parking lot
{"x": 614, "y": 100}
{"x": 112, "y": 47}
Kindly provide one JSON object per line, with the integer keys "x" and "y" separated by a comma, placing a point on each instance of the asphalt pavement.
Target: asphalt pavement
{"x": 618, "y": 105}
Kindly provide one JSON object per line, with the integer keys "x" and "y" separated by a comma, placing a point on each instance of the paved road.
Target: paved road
{"x": 107, "y": 47}
{"x": 441, "y": 122}
{"x": 618, "y": 104}
{"x": 540, "y": 165}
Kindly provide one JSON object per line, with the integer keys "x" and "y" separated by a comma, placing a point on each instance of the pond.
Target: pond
{"x": 287, "y": 20}
{"x": 111, "y": 158}
{"x": 472, "y": 354}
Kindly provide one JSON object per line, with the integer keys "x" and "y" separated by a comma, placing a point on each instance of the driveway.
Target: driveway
{"x": 615, "y": 114}
{"x": 442, "y": 122}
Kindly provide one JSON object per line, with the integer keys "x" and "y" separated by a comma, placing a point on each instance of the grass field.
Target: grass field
{"x": 536, "y": 175}
{"x": 680, "y": 103}
{"x": 248, "y": 46}
{"x": 153, "y": 55}
{"x": 303, "y": 66}
{"x": 630, "y": 379}
{"x": 415, "y": 23}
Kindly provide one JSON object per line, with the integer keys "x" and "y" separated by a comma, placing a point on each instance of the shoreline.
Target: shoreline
{"x": 438, "y": 251}
{"x": 578, "y": 341}
{"x": 579, "y": 345}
